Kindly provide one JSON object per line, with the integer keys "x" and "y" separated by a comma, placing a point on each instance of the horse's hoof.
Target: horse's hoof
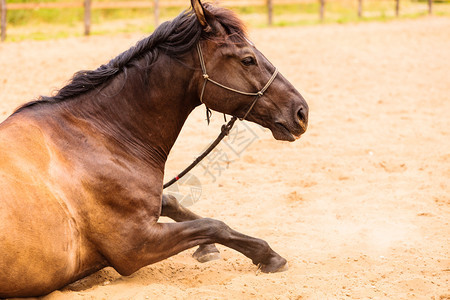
{"x": 277, "y": 264}
{"x": 208, "y": 257}
{"x": 206, "y": 253}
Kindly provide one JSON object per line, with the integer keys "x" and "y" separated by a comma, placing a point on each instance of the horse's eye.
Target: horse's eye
{"x": 248, "y": 61}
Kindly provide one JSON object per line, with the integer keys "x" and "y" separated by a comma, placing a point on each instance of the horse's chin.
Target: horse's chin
{"x": 282, "y": 133}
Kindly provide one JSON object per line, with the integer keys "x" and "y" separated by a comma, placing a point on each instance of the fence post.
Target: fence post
{"x": 87, "y": 17}
{"x": 3, "y": 20}
{"x": 430, "y": 7}
{"x": 322, "y": 9}
{"x": 156, "y": 12}
{"x": 270, "y": 11}
{"x": 397, "y": 7}
{"x": 360, "y": 8}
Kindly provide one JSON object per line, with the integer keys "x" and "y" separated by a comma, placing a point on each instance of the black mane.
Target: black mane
{"x": 172, "y": 38}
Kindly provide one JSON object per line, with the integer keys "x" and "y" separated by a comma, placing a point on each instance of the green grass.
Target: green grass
{"x": 66, "y": 16}
{"x": 44, "y": 16}
{"x": 41, "y": 24}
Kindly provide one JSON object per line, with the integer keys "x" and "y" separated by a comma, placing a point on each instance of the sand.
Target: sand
{"x": 359, "y": 206}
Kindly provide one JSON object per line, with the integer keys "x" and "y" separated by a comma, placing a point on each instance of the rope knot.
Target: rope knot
{"x": 260, "y": 94}
{"x": 205, "y": 76}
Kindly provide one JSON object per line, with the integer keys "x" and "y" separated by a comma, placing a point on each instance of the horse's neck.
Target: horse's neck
{"x": 143, "y": 117}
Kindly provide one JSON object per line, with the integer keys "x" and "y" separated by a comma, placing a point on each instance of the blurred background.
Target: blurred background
{"x": 46, "y": 19}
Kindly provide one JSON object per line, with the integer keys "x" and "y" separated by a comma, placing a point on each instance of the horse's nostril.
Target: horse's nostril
{"x": 301, "y": 114}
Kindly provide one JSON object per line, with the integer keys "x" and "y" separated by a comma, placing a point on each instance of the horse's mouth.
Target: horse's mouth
{"x": 281, "y": 132}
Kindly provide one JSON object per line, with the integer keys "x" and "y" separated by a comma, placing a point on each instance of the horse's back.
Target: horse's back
{"x": 37, "y": 231}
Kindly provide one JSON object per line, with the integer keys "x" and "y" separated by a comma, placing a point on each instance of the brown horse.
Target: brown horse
{"x": 81, "y": 173}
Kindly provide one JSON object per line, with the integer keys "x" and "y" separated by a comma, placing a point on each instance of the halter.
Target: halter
{"x": 206, "y": 78}
{"x": 226, "y": 127}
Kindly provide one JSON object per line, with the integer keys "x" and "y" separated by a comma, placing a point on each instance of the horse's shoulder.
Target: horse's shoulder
{"x": 22, "y": 142}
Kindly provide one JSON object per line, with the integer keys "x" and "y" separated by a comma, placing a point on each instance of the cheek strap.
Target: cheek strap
{"x": 206, "y": 78}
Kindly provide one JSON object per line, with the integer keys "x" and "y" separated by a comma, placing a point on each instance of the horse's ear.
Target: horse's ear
{"x": 199, "y": 10}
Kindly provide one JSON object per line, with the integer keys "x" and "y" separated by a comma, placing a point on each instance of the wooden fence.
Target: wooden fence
{"x": 156, "y": 4}
{"x": 2, "y": 20}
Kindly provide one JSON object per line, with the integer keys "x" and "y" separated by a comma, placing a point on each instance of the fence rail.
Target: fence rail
{"x": 88, "y": 5}
{"x": 139, "y": 4}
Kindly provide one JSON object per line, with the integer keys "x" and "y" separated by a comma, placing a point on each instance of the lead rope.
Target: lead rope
{"x": 225, "y": 130}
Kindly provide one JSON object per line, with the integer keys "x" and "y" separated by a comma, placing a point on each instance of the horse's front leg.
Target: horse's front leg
{"x": 173, "y": 209}
{"x": 158, "y": 241}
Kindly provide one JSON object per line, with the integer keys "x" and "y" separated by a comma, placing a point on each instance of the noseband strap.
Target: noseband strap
{"x": 206, "y": 78}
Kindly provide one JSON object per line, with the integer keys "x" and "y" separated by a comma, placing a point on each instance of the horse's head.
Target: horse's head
{"x": 238, "y": 80}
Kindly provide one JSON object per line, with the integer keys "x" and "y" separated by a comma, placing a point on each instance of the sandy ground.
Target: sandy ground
{"x": 360, "y": 205}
